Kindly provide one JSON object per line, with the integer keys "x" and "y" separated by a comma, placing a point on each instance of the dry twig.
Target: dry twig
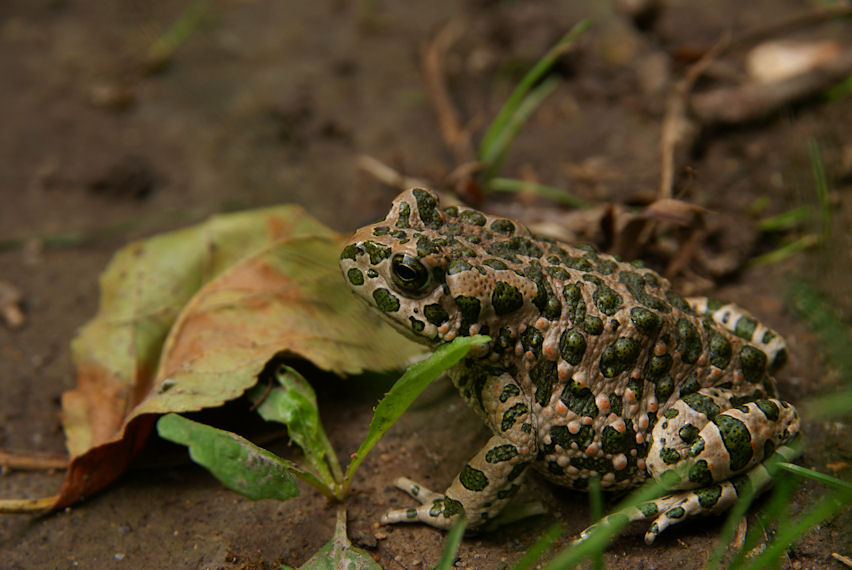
{"x": 33, "y": 460}
{"x": 456, "y": 137}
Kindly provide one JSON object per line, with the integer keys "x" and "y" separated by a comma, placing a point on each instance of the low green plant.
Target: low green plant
{"x": 259, "y": 474}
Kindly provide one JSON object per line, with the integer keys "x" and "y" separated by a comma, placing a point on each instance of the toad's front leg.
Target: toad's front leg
{"x": 482, "y": 488}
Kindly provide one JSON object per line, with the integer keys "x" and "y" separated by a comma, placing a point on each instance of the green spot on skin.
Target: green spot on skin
{"x": 615, "y": 403}
{"x": 752, "y": 363}
{"x": 635, "y": 284}
{"x": 709, "y": 496}
{"x": 506, "y": 298}
{"x": 372, "y": 273}
{"x": 381, "y": 231}
{"x": 579, "y": 400}
{"x": 671, "y": 413}
{"x": 509, "y": 391}
{"x": 669, "y": 456}
{"x": 678, "y": 302}
{"x": 495, "y": 264}
{"x": 688, "y": 341}
{"x": 690, "y": 385}
{"x": 700, "y": 474}
{"x": 688, "y": 433}
{"x": 606, "y": 300}
{"x": 561, "y": 436}
{"x": 675, "y": 513}
{"x": 469, "y": 309}
{"x": 472, "y": 217}
{"x": 501, "y": 453}
{"x": 663, "y": 388}
{"x": 769, "y": 409}
{"x": 531, "y": 340}
{"x": 457, "y": 266}
{"x": 385, "y": 301}
{"x": 720, "y": 350}
{"x": 513, "y": 247}
{"x": 377, "y": 252}
{"x": 714, "y": 305}
{"x": 472, "y": 479}
{"x": 745, "y": 327}
{"x": 516, "y": 471}
{"x": 613, "y": 441}
{"x": 703, "y": 404}
{"x": 452, "y": 507}
{"x": 576, "y": 307}
{"x": 427, "y": 208}
{"x": 658, "y": 365}
{"x": 349, "y": 252}
{"x": 411, "y": 514}
{"x": 503, "y": 227}
{"x": 511, "y": 415}
{"x": 648, "y": 510}
{"x": 619, "y": 356}
{"x": 425, "y": 247}
{"x": 543, "y": 376}
{"x": 646, "y": 322}
{"x": 593, "y": 325}
{"x": 355, "y": 276}
{"x": 436, "y": 314}
{"x": 403, "y": 212}
{"x": 737, "y": 439}
{"x": 417, "y": 325}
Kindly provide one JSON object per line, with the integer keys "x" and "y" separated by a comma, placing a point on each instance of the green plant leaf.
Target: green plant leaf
{"x": 239, "y": 464}
{"x": 495, "y": 131}
{"x": 451, "y": 544}
{"x": 339, "y": 552}
{"x": 294, "y": 404}
{"x": 407, "y": 388}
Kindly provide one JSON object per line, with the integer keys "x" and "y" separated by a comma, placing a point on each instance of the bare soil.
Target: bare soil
{"x": 272, "y": 101}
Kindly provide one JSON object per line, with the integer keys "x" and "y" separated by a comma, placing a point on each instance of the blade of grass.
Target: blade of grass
{"x": 783, "y": 252}
{"x": 827, "y": 480}
{"x": 405, "y": 391}
{"x": 820, "y": 316}
{"x": 451, "y": 544}
{"x": 785, "y": 220}
{"x": 527, "y": 82}
{"x": 164, "y": 47}
{"x": 791, "y": 532}
{"x": 559, "y": 195}
{"x": 492, "y": 157}
{"x": 597, "y": 540}
{"x": 822, "y": 190}
{"x": 540, "y": 547}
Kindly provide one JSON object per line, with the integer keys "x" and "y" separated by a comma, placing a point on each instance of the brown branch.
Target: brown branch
{"x": 12, "y": 506}
{"x": 456, "y": 137}
{"x": 33, "y": 460}
{"x": 677, "y": 129}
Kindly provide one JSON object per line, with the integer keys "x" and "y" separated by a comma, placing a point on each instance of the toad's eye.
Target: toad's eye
{"x": 409, "y": 274}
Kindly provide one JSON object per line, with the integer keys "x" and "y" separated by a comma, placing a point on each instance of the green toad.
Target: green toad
{"x": 596, "y": 367}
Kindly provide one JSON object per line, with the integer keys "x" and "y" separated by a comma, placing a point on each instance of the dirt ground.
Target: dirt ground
{"x": 273, "y": 101}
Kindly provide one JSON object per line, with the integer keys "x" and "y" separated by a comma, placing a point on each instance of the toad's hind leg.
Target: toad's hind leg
{"x": 704, "y": 450}
{"x": 675, "y": 507}
{"x": 741, "y": 323}
{"x": 707, "y": 453}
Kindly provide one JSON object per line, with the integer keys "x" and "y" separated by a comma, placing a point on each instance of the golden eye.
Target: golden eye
{"x": 408, "y": 273}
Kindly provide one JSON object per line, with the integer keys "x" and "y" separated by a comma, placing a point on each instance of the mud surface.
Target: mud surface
{"x": 273, "y": 101}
